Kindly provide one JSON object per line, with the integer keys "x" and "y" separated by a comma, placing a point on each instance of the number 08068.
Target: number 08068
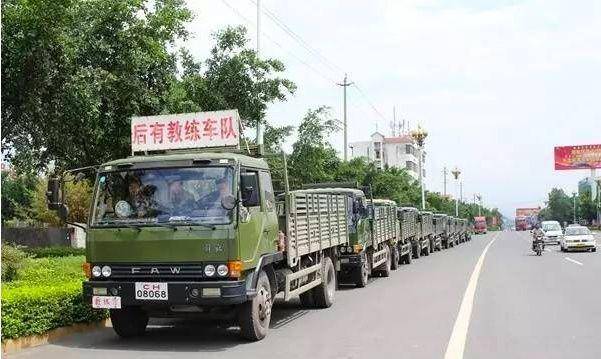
{"x": 152, "y": 291}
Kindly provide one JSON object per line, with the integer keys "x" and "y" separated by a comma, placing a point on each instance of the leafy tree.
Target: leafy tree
{"x": 559, "y": 207}
{"x": 74, "y": 72}
{"x": 587, "y": 209}
{"x": 313, "y": 159}
{"x": 79, "y": 198}
{"x": 17, "y": 194}
{"x": 232, "y": 77}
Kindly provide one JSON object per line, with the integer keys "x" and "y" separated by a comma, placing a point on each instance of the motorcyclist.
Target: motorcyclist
{"x": 537, "y": 236}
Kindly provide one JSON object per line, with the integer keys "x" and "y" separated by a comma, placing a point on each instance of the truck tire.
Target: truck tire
{"x": 361, "y": 275}
{"x": 323, "y": 294}
{"x": 129, "y": 321}
{"x": 306, "y": 299}
{"x": 254, "y": 316}
{"x": 416, "y": 250}
{"x": 394, "y": 253}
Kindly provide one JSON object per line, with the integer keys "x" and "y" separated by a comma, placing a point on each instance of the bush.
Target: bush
{"x": 35, "y": 309}
{"x": 52, "y": 252}
{"x": 46, "y": 295}
{"x": 12, "y": 260}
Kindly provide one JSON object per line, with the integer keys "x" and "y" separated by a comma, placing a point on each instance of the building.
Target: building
{"x": 588, "y": 184}
{"x": 399, "y": 152}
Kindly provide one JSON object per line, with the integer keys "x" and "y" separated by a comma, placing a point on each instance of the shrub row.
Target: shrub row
{"x": 45, "y": 295}
{"x": 29, "y": 310}
{"x": 52, "y": 252}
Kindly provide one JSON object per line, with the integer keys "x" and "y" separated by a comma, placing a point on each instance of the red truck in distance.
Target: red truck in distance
{"x": 480, "y": 225}
{"x": 521, "y": 224}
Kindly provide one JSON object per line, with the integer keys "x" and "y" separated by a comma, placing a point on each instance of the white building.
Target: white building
{"x": 400, "y": 152}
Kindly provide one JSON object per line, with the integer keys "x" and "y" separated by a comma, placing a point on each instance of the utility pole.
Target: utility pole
{"x": 460, "y": 191}
{"x": 344, "y": 85}
{"x": 574, "y": 195}
{"x": 259, "y": 124}
{"x": 444, "y": 176}
{"x": 456, "y": 172}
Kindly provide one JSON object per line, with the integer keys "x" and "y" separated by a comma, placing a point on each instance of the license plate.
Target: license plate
{"x": 344, "y": 260}
{"x": 106, "y": 302}
{"x": 151, "y": 291}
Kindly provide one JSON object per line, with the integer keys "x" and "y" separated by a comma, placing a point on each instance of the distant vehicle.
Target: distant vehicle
{"x": 521, "y": 224}
{"x": 480, "y": 225}
{"x": 578, "y": 238}
{"x": 552, "y": 231}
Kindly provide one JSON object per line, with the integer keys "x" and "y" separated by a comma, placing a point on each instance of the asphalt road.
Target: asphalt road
{"x": 523, "y": 307}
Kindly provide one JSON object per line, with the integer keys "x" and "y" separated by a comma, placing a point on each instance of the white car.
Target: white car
{"x": 552, "y": 231}
{"x": 578, "y": 238}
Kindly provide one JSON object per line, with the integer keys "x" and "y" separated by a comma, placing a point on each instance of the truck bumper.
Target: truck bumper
{"x": 179, "y": 293}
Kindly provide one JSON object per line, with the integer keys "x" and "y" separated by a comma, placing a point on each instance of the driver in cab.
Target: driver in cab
{"x": 212, "y": 201}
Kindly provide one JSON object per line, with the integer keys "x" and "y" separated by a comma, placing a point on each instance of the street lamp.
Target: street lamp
{"x": 479, "y": 197}
{"x": 456, "y": 172}
{"x": 419, "y": 136}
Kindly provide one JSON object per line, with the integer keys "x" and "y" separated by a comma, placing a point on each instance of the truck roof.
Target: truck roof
{"x": 192, "y": 156}
{"x": 409, "y": 209}
{"x": 339, "y": 190}
{"x": 382, "y": 201}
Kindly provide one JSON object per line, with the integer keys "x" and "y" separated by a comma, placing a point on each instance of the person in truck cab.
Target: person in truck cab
{"x": 180, "y": 200}
{"x": 212, "y": 201}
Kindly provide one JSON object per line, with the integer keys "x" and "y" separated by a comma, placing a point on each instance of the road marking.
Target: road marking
{"x": 573, "y": 261}
{"x": 456, "y": 346}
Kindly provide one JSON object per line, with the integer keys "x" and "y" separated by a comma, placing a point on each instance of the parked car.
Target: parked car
{"x": 578, "y": 238}
{"x": 552, "y": 232}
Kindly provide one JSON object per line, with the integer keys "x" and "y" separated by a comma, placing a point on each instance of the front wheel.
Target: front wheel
{"x": 361, "y": 275}
{"x": 254, "y": 316}
{"x": 129, "y": 321}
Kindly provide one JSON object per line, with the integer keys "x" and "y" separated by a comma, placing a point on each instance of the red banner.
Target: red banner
{"x": 577, "y": 157}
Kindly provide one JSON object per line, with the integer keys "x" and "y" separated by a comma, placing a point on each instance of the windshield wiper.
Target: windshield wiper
{"x": 187, "y": 221}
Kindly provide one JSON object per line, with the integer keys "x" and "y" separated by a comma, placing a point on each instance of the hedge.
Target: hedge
{"x": 52, "y": 252}
{"x": 47, "y": 295}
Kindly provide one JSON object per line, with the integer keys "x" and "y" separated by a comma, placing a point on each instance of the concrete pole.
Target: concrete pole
{"x": 344, "y": 85}
{"x": 574, "y": 195}
{"x": 259, "y": 124}
{"x": 444, "y": 176}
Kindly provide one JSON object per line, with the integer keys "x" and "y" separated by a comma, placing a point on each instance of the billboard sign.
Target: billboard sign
{"x": 187, "y": 130}
{"x": 578, "y": 157}
{"x": 526, "y": 212}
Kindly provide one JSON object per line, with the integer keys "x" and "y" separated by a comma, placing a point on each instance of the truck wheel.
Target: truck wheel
{"x": 323, "y": 294}
{"x": 306, "y": 299}
{"x": 254, "y": 316}
{"x": 361, "y": 275}
{"x": 129, "y": 321}
{"x": 394, "y": 253}
{"x": 417, "y": 251}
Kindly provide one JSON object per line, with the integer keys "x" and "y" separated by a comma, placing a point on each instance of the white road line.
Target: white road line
{"x": 456, "y": 346}
{"x": 573, "y": 261}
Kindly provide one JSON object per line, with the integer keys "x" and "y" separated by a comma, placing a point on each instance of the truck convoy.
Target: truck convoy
{"x": 195, "y": 228}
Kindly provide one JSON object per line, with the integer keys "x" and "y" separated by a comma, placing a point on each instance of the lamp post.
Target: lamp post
{"x": 419, "y": 136}
{"x": 479, "y": 197}
{"x": 456, "y": 172}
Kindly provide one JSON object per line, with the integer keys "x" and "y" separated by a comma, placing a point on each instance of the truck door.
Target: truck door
{"x": 249, "y": 231}
{"x": 270, "y": 217}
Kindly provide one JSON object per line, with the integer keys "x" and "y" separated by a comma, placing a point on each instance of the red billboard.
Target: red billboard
{"x": 577, "y": 157}
{"x": 527, "y": 212}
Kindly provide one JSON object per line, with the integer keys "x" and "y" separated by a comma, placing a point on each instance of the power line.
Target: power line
{"x": 373, "y": 107}
{"x": 282, "y": 25}
{"x": 322, "y": 75}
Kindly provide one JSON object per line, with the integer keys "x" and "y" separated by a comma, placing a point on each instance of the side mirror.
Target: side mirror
{"x": 228, "y": 202}
{"x": 53, "y": 194}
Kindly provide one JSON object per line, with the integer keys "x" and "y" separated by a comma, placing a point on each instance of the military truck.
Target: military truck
{"x": 440, "y": 222}
{"x": 411, "y": 230}
{"x": 185, "y": 232}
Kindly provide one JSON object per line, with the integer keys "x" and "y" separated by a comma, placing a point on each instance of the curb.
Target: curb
{"x": 14, "y": 345}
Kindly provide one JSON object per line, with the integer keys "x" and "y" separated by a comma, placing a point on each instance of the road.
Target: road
{"x": 523, "y": 307}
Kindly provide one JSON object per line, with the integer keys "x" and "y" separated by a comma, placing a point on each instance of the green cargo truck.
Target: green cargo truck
{"x": 439, "y": 222}
{"x": 426, "y": 231}
{"x": 386, "y": 226}
{"x": 188, "y": 232}
{"x": 410, "y": 222}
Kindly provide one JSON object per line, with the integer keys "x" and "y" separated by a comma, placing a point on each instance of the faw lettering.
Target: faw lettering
{"x": 154, "y": 271}
{"x": 175, "y": 270}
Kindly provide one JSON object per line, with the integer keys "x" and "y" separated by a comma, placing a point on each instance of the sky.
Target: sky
{"x": 496, "y": 84}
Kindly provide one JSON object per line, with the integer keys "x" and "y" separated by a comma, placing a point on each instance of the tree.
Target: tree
{"x": 559, "y": 207}
{"x": 313, "y": 159}
{"x": 587, "y": 209}
{"x": 17, "y": 194}
{"x": 232, "y": 77}
{"x": 75, "y": 72}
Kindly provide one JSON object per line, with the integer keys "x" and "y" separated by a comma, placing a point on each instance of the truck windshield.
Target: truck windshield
{"x": 168, "y": 195}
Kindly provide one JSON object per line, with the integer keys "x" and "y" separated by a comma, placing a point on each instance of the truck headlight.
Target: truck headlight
{"x": 96, "y": 271}
{"x": 106, "y": 271}
{"x": 209, "y": 270}
{"x": 343, "y": 249}
{"x": 222, "y": 270}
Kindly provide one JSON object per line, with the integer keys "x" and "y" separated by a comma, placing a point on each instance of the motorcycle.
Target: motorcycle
{"x": 538, "y": 248}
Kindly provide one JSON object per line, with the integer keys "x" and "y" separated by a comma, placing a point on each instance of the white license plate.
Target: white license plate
{"x": 106, "y": 302}
{"x": 151, "y": 291}
{"x": 344, "y": 260}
